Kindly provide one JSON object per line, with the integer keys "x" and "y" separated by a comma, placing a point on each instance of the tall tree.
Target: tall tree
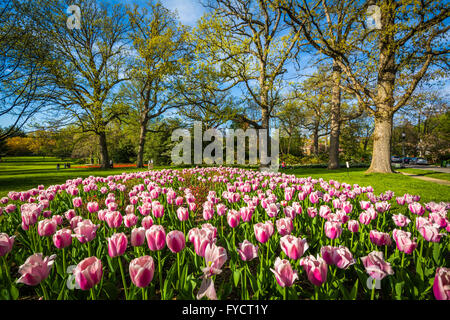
{"x": 404, "y": 45}
{"x": 85, "y": 65}
{"x": 248, "y": 45}
{"x": 161, "y": 48}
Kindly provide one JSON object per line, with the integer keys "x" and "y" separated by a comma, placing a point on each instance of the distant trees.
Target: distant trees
{"x": 86, "y": 65}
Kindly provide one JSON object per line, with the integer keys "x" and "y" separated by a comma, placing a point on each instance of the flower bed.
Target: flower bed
{"x": 221, "y": 233}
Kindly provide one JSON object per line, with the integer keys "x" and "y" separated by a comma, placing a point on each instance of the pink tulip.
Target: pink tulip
{"x": 380, "y": 238}
{"x": 312, "y": 212}
{"x": 77, "y": 202}
{"x": 182, "y": 214}
{"x": 324, "y": 211}
{"x": 112, "y": 206}
{"x": 75, "y": 221}
{"x": 179, "y": 201}
{"x": 221, "y": 209}
{"x": 400, "y": 200}
{"x": 246, "y": 214}
{"x": 46, "y": 227}
{"x": 375, "y": 265}
{"x": 35, "y": 269}
{"x": 314, "y": 197}
{"x": 439, "y": 218}
{"x": 62, "y": 238}
{"x": 130, "y": 220}
{"x": 86, "y": 231}
{"x": 293, "y": 247}
{"x": 210, "y": 230}
{"x": 247, "y": 251}
{"x": 233, "y": 218}
{"x": 430, "y": 233}
{"x": 208, "y": 212}
{"x": 137, "y": 237}
{"x": 416, "y": 208}
{"x": 403, "y": 241}
{"x": 88, "y": 273}
{"x": 6, "y": 244}
{"x": 315, "y": 268}
{"x": 339, "y": 256}
{"x": 365, "y": 218}
{"x": 175, "y": 241}
{"x": 145, "y": 209}
{"x": 113, "y": 219}
{"x": 92, "y": 207}
{"x": 201, "y": 239}
{"x": 353, "y": 225}
{"x": 365, "y": 205}
{"x": 156, "y": 237}
{"x": 157, "y": 210}
{"x": 382, "y": 206}
{"x": 441, "y": 285}
{"x": 141, "y": 271}
{"x": 147, "y": 222}
{"x": 283, "y": 273}
{"x": 10, "y": 208}
{"x": 333, "y": 230}
{"x": 47, "y": 213}
{"x": 58, "y": 219}
{"x": 70, "y": 214}
{"x": 215, "y": 257}
{"x": 400, "y": 220}
{"x": 284, "y": 226}
{"x": 117, "y": 244}
{"x": 263, "y": 231}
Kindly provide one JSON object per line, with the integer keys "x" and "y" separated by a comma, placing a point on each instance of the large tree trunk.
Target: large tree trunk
{"x": 384, "y": 100}
{"x": 333, "y": 162}
{"x": 381, "y": 155}
{"x": 104, "y": 158}
{"x": 142, "y": 135}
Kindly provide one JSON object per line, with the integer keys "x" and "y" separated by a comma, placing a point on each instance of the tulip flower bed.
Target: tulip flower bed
{"x": 220, "y": 233}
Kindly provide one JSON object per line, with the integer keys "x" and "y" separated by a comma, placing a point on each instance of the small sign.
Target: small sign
{"x": 347, "y": 164}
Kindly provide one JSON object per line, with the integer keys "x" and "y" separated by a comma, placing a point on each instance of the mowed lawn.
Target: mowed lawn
{"x": 23, "y": 173}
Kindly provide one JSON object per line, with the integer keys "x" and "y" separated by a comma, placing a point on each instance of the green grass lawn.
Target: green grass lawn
{"x": 23, "y": 173}
{"x": 427, "y": 173}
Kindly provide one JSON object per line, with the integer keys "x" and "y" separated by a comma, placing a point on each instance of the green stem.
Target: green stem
{"x": 143, "y": 293}
{"x": 285, "y": 293}
{"x": 93, "y": 296}
{"x": 372, "y": 296}
{"x": 178, "y": 269}
{"x": 123, "y": 278}
{"x": 64, "y": 259}
{"x": 44, "y": 291}
{"x": 6, "y": 268}
{"x": 160, "y": 275}
{"x": 89, "y": 248}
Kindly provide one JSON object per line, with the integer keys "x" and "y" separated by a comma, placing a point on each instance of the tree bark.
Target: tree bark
{"x": 333, "y": 162}
{"x": 142, "y": 135}
{"x": 381, "y": 155}
{"x": 104, "y": 158}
